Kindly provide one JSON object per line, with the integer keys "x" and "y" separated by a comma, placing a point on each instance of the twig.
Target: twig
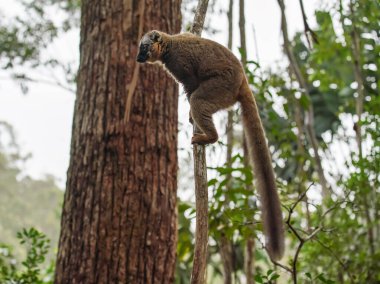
{"x": 302, "y": 240}
{"x": 344, "y": 266}
{"x": 302, "y": 196}
{"x": 55, "y": 83}
{"x": 198, "y": 275}
{"x": 308, "y": 236}
{"x": 307, "y": 28}
{"x": 288, "y": 269}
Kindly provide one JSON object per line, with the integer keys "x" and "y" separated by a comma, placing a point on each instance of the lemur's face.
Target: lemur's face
{"x": 150, "y": 47}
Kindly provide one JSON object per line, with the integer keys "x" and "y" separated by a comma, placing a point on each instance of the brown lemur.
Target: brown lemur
{"x": 213, "y": 79}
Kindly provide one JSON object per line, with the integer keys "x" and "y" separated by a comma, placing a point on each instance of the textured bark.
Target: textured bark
{"x": 119, "y": 215}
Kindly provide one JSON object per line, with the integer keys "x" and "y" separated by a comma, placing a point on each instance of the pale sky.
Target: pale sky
{"x": 42, "y": 119}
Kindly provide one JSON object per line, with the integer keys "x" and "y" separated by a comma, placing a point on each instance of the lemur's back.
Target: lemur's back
{"x": 193, "y": 60}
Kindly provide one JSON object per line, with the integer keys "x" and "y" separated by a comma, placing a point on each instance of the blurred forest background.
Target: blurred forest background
{"x": 320, "y": 106}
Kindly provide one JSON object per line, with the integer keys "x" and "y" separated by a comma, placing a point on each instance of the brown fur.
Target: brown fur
{"x": 214, "y": 79}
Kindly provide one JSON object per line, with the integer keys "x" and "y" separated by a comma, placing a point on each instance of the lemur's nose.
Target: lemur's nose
{"x": 141, "y": 58}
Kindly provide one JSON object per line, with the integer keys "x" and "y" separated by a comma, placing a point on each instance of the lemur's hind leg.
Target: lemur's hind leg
{"x": 207, "y": 99}
{"x": 202, "y": 116}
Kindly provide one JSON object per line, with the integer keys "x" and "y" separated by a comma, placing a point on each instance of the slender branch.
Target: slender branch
{"x": 299, "y": 199}
{"x": 341, "y": 263}
{"x": 307, "y": 28}
{"x": 199, "y": 17}
{"x": 302, "y": 240}
{"x": 256, "y": 44}
{"x": 250, "y": 241}
{"x": 359, "y": 79}
{"x": 243, "y": 45}
{"x": 55, "y": 83}
{"x": 226, "y": 244}
{"x": 359, "y": 106}
{"x": 309, "y": 112}
{"x": 230, "y": 23}
{"x": 288, "y": 269}
{"x": 198, "y": 275}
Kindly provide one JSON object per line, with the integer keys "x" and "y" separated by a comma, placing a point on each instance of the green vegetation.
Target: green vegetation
{"x": 25, "y": 202}
{"x": 37, "y": 246}
{"x": 333, "y": 236}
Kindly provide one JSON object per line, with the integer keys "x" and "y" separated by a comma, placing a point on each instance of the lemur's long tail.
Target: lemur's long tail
{"x": 263, "y": 173}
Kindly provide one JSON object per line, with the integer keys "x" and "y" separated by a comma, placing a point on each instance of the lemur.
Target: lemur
{"x": 214, "y": 79}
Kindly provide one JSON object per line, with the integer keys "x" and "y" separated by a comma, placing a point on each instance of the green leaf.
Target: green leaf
{"x": 258, "y": 278}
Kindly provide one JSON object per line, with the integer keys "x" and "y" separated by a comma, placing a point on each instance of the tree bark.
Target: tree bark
{"x": 119, "y": 215}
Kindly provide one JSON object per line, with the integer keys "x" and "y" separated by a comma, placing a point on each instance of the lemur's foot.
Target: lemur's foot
{"x": 203, "y": 139}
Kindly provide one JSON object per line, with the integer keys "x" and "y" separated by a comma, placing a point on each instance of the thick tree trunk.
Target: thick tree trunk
{"x": 119, "y": 215}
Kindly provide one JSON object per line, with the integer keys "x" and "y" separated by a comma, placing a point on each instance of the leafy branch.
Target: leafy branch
{"x": 305, "y": 236}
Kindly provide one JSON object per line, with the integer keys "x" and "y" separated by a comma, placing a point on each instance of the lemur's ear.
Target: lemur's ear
{"x": 156, "y": 36}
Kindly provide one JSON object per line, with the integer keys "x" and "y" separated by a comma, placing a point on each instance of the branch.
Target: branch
{"x": 302, "y": 196}
{"x": 288, "y": 269}
{"x": 308, "y": 236}
{"x": 199, "y": 17}
{"x": 309, "y": 112}
{"x": 226, "y": 247}
{"x": 243, "y": 45}
{"x": 342, "y": 264}
{"x": 302, "y": 240}
{"x": 307, "y": 28}
{"x": 55, "y": 82}
{"x": 198, "y": 275}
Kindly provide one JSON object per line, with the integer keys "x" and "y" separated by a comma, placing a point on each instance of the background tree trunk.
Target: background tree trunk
{"x": 119, "y": 215}
{"x": 225, "y": 243}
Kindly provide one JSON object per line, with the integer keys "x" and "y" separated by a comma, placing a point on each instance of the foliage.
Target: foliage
{"x": 25, "y": 202}
{"x": 185, "y": 247}
{"x": 331, "y": 239}
{"x": 267, "y": 278}
{"x": 26, "y": 38}
{"x": 37, "y": 246}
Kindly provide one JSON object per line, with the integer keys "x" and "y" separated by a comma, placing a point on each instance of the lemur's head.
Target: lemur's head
{"x": 150, "y": 47}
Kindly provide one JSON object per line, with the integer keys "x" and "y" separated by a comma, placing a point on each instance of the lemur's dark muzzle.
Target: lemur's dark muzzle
{"x": 141, "y": 58}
